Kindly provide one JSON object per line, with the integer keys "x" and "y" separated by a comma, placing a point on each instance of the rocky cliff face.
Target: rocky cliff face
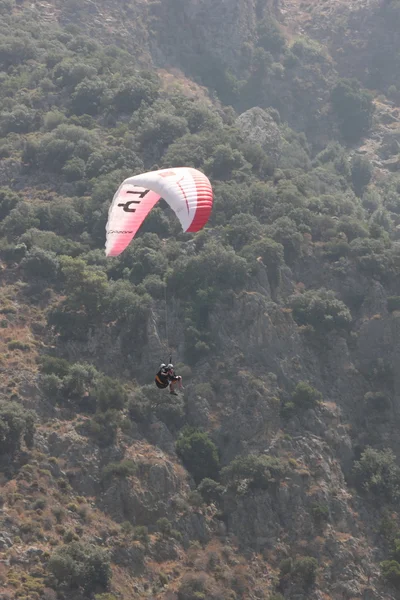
{"x": 237, "y": 392}
{"x": 262, "y": 354}
{"x": 217, "y": 32}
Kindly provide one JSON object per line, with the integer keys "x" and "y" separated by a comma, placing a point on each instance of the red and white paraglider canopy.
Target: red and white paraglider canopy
{"x": 187, "y": 191}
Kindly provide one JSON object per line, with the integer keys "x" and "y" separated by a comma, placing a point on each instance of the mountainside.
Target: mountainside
{"x": 275, "y": 473}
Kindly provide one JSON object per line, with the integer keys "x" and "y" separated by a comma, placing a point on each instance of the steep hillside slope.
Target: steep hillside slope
{"x": 275, "y": 473}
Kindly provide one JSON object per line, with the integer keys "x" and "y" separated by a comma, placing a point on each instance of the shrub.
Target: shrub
{"x": 79, "y": 565}
{"x": 198, "y": 453}
{"x": 157, "y": 132}
{"x": 154, "y": 286}
{"x": 321, "y": 309}
{"x": 210, "y": 490}
{"x": 18, "y": 345}
{"x": 51, "y": 386}
{"x": 171, "y": 413}
{"x": 271, "y": 255}
{"x": 353, "y": 107}
{"x": 270, "y": 36}
{"x": 242, "y": 229}
{"x": 20, "y": 120}
{"x": 141, "y": 533}
{"x": 320, "y": 512}
{"x": 13, "y": 253}
{"x": 287, "y": 410}
{"x": 285, "y": 231}
{"x": 396, "y": 549}
{"x": 53, "y": 365}
{"x": 213, "y": 267}
{"x": 253, "y": 472}
{"x": 59, "y": 514}
{"x": 74, "y": 169}
{"x": 139, "y": 407}
{"x": 8, "y": 201}
{"x": 79, "y": 380}
{"x": 393, "y": 303}
{"x": 377, "y": 401}
{"x": 20, "y": 219}
{"x": 87, "y": 97}
{"x": 124, "y": 468}
{"x": 40, "y": 503}
{"x": 305, "y": 396}
{"x": 377, "y": 473}
{"x": 16, "y": 424}
{"x": 305, "y": 570}
{"x": 302, "y": 571}
{"x": 201, "y": 587}
{"x": 361, "y": 173}
{"x": 309, "y": 50}
{"x": 103, "y": 428}
{"x": 164, "y": 526}
{"x": 40, "y": 263}
{"x": 391, "y": 572}
{"x": 388, "y": 527}
{"x": 110, "y": 394}
{"x": 133, "y": 91}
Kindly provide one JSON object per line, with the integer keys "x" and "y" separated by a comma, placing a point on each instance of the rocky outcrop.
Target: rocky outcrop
{"x": 82, "y": 457}
{"x": 217, "y": 32}
{"x": 259, "y": 127}
{"x": 146, "y": 497}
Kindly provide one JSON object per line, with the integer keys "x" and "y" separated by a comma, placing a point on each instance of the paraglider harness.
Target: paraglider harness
{"x": 166, "y": 376}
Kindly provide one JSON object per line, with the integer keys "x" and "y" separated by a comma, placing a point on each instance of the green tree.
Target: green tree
{"x": 79, "y": 380}
{"x": 270, "y": 253}
{"x": 285, "y": 231}
{"x": 8, "y": 201}
{"x": 16, "y": 425}
{"x": 353, "y": 107}
{"x": 54, "y": 365}
{"x": 81, "y": 566}
{"x": 305, "y": 396}
{"x": 124, "y": 468}
{"x": 71, "y": 71}
{"x": 213, "y": 267}
{"x": 87, "y": 97}
{"x": 87, "y": 287}
{"x": 198, "y": 453}
{"x": 361, "y": 173}
{"x": 270, "y": 36}
{"x": 20, "y": 120}
{"x": 393, "y": 303}
{"x": 224, "y": 161}
{"x": 110, "y": 394}
{"x": 210, "y": 490}
{"x": 40, "y": 263}
{"x": 156, "y": 133}
{"x": 74, "y": 169}
{"x": 305, "y": 570}
{"x": 103, "y": 428}
{"x": 391, "y": 572}
{"x": 321, "y": 309}
{"x": 20, "y": 219}
{"x": 253, "y": 472}
{"x": 133, "y": 91}
{"x": 377, "y": 473}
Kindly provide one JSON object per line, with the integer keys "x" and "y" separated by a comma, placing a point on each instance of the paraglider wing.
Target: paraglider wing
{"x": 186, "y": 190}
{"x": 130, "y": 206}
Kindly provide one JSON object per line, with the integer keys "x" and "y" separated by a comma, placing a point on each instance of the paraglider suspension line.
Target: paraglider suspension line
{"x": 166, "y": 314}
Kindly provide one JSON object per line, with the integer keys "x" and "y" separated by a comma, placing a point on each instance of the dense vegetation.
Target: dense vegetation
{"x": 76, "y": 117}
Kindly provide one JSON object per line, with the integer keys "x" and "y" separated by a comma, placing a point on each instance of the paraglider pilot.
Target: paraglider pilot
{"x": 166, "y": 376}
